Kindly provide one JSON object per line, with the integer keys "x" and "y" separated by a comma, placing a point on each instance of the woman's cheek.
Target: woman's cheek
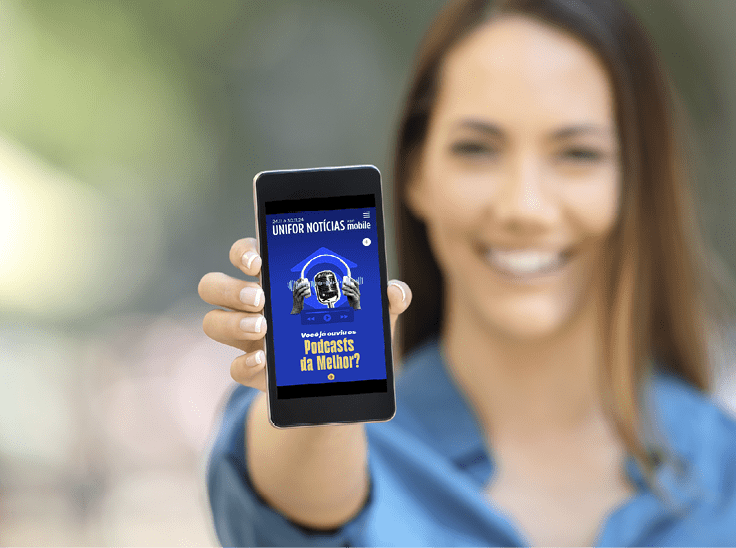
{"x": 462, "y": 197}
{"x": 449, "y": 238}
{"x": 595, "y": 206}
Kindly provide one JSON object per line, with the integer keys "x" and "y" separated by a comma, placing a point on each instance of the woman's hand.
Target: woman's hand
{"x": 293, "y": 469}
{"x": 242, "y": 324}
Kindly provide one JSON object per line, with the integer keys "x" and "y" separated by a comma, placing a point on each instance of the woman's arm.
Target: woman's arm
{"x": 315, "y": 476}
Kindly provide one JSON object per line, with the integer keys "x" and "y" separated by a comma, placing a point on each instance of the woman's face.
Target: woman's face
{"x": 519, "y": 179}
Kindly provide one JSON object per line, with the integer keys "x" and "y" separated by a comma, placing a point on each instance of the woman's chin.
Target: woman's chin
{"x": 528, "y": 323}
{"x": 528, "y": 329}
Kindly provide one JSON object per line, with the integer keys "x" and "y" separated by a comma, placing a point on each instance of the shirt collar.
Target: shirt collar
{"x": 447, "y": 419}
{"x": 439, "y": 406}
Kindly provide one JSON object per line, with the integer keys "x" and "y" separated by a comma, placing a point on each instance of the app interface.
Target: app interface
{"x": 326, "y": 310}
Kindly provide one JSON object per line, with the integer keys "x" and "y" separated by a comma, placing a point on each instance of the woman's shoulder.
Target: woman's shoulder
{"x": 689, "y": 411}
{"x": 421, "y": 361}
{"x": 423, "y": 385}
{"x": 701, "y": 429}
{"x": 431, "y": 413}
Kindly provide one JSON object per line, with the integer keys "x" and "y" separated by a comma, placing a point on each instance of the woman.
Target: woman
{"x": 557, "y": 355}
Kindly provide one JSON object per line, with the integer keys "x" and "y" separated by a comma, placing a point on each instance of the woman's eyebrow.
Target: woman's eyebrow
{"x": 572, "y": 131}
{"x": 494, "y": 130}
{"x": 482, "y": 126}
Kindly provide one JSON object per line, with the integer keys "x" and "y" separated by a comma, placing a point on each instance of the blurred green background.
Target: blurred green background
{"x": 129, "y": 136}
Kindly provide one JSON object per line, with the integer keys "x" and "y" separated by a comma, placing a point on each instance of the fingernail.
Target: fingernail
{"x": 248, "y": 258}
{"x": 403, "y": 293}
{"x": 252, "y": 324}
{"x": 251, "y": 295}
{"x": 255, "y": 359}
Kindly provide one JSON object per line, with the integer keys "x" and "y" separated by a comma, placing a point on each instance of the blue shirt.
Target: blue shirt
{"x": 429, "y": 465}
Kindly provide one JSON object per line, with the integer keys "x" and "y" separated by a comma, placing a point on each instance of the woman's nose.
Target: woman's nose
{"x": 525, "y": 199}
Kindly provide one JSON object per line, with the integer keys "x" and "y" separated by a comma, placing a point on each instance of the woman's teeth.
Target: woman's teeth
{"x": 526, "y": 262}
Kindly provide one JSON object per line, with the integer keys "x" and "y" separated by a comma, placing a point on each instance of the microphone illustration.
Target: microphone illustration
{"x": 328, "y": 292}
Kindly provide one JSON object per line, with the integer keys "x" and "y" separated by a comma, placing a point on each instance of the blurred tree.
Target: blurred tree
{"x": 170, "y": 107}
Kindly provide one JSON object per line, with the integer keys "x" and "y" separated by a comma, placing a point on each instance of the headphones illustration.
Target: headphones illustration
{"x": 325, "y": 255}
{"x": 327, "y": 292}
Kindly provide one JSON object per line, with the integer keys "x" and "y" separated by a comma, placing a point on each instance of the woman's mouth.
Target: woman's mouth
{"x": 525, "y": 264}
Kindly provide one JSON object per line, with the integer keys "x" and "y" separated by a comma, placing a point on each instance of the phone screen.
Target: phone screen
{"x": 327, "y": 339}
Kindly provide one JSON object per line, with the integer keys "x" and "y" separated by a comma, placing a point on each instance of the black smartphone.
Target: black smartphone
{"x": 328, "y": 343}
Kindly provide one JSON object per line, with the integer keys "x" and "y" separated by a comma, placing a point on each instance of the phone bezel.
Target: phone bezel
{"x": 324, "y": 182}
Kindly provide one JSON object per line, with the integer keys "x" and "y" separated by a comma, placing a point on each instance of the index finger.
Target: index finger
{"x": 244, "y": 255}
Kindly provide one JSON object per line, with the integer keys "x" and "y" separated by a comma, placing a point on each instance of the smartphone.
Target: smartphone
{"x": 328, "y": 343}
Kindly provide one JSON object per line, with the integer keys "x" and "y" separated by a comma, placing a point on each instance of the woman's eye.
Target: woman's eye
{"x": 471, "y": 148}
{"x": 582, "y": 155}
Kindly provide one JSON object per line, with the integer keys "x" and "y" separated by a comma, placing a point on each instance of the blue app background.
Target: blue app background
{"x": 288, "y": 253}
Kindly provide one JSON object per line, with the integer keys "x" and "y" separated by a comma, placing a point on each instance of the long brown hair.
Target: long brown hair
{"x": 659, "y": 296}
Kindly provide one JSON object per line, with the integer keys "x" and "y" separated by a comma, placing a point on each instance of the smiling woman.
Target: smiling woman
{"x": 541, "y": 186}
{"x": 556, "y": 352}
{"x": 519, "y": 178}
